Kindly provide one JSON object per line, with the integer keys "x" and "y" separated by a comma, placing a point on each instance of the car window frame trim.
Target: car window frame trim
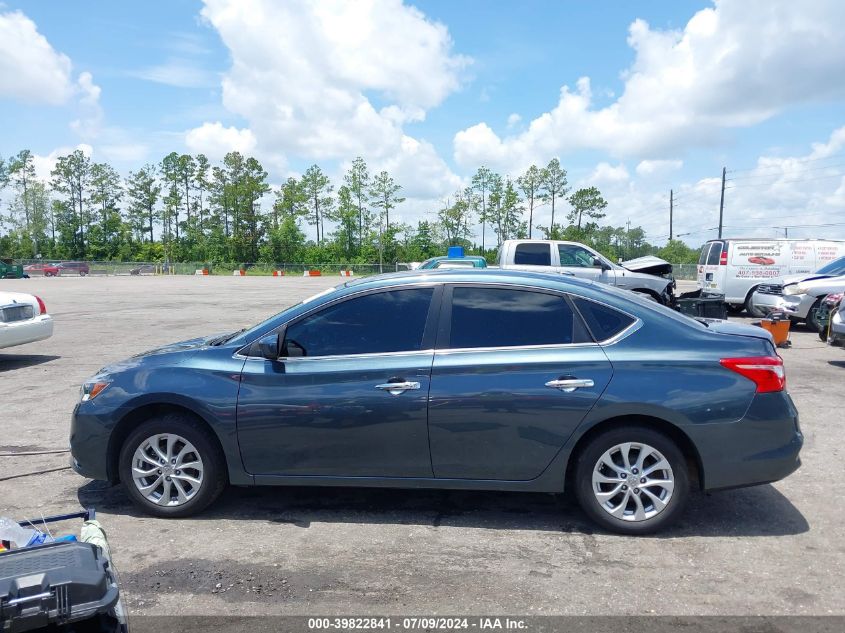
{"x": 429, "y": 329}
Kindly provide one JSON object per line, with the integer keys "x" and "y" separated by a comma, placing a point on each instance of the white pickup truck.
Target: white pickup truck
{"x": 649, "y": 276}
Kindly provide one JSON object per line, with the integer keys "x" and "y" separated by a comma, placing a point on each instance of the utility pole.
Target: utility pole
{"x": 671, "y": 204}
{"x": 722, "y": 202}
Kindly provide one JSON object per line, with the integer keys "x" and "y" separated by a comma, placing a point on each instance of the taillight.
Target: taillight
{"x": 41, "y": 306}
{"x": 765, "y": 371}
{"x": 723, "y": 258}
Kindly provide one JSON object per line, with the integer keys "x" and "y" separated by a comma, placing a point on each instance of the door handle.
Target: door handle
{"x": 395, "y": 388}
{"x": 568, "y": 385}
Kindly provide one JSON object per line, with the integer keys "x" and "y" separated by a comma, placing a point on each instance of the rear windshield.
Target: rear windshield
{"x": 715, "y": 253}
{"x": 702, "y": 259}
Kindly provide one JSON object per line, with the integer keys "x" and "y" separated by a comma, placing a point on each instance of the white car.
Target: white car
{"x": 799, "y": 299}
{"x": 23, "y": 319}
{"x": 769, "y": 296}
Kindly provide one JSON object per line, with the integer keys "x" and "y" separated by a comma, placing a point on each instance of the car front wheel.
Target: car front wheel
{"x": 171, "y": 467}
{"x": 632, "y": 480}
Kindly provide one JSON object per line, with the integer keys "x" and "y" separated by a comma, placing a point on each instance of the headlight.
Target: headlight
{"x": 92, "y": 389}
{"x": 791, "y": 290}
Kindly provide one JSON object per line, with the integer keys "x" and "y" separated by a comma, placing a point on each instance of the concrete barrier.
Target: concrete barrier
{"x": 346, "y": 273}
{"x": 311, "y": 273}
{"x": 278, "y": 273}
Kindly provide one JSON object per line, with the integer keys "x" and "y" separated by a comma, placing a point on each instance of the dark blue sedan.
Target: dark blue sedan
{"x": 496, "y": 380}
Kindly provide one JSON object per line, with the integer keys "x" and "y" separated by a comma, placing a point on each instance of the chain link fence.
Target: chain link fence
{"x": 34, "y": 267}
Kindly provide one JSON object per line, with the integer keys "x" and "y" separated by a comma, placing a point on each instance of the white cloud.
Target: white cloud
{"x": 45, "y": 163}
{"x": 215, "y": 140}
{"x": 420, "y": 170}
{"x": 177, "y": 72}
{"x": 513, "y": 119}
{"x": 30, "y": 69}
{"x": 332, "y": 81}
{"x": 735, "y": 64}
{"x": 658, "y": 167}
{"x": 605, "y": 173}
{"x": 91, "y": 114}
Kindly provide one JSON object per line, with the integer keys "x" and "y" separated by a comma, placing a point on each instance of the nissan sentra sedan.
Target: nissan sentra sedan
{"x": 495, "y": 380}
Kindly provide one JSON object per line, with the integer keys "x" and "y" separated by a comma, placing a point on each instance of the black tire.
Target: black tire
{"x": 589, "y": 457}
{"x": 735, "y": 309}
{"x": 750, "y": 309}
{"x": 811, "y": 321}
{"x": 82, "y": 273}
{"x": 214, "y": 478}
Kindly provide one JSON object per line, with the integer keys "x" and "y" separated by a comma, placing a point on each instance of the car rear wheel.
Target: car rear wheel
{"x": 171, "y": 467}
{"x": 632, "y": 480}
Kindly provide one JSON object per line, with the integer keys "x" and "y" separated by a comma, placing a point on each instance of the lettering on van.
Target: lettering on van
{"x": 758, "y": 272}
{"x": 760, "y": 253}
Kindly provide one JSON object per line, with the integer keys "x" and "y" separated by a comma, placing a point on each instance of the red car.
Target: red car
{"x": 63, "y": 268}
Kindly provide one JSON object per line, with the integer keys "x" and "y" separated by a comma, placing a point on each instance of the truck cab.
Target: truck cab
{"x": 649, "y": 276}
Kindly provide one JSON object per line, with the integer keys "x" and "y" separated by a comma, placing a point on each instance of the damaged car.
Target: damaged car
{"x": 648, "y": 276}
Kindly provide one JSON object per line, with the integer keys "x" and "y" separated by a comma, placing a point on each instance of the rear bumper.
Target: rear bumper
{"x": 761, "y": 447}
{"x": 22, "y": 332}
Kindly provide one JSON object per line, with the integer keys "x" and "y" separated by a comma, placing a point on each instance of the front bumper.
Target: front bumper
{"x": 22, "y": 332}
{"x": 89, "y": 444}
{"x": 797, "y": 306}
{"x": 837, "y": 325}
{"x": 761, "y": 447}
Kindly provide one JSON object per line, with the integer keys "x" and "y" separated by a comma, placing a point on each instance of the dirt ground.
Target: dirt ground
{"x": 774, "y": 549}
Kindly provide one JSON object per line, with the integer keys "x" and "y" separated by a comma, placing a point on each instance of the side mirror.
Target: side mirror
{"x": 269, "y": 347}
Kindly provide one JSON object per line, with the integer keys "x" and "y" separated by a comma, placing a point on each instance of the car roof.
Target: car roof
{"x": 470, "y": 275}
{"x": 440, "y": 258}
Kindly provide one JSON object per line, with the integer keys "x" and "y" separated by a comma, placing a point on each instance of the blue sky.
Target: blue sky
{"x": 676, "y": 90}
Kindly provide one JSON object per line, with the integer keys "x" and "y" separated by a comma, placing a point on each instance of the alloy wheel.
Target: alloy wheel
{"x": 167, "y": 469}
{"x": 633, "y": 482}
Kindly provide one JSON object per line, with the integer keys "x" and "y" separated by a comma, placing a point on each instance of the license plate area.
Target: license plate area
{"x": 15, "y": 312}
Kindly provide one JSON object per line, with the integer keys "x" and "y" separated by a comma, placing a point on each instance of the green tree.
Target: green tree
{"x": 71, "y": 178}
{"x": 21, "y": 173}
{"x": 481, "y": 183}
{"x": 454, "y": 218}
{"x": 554, "y": 185}
{"x": 106, "y": 192}
{"x": 586, "y": 203}
{"x": 290, "y": 201}
{"x": 357, "y": 179}
{"x": 531, "y": 185}
{"x": 143, "y": 191}
{"x": 347, "y": 216}
{"x": 384, "y": 194}
{"x": 506, "y": 211}
{"x": 318, "y": 190}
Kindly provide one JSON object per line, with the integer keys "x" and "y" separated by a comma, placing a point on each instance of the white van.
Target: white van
{"x": 735, "y": 268}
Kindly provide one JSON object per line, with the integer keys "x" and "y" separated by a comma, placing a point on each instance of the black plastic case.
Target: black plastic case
{"x": 60, "y": 586}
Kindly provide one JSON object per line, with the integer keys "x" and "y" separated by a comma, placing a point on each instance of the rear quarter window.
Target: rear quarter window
{"x": 603, "y": 321}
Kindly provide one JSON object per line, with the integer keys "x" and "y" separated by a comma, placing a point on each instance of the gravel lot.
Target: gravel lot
{"x": 773, "y": 549}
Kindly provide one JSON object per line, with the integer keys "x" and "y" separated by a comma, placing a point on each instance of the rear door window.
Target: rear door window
{"x": 702, "y": 259}
{"x": 503, "y": 317}
{"x": 533, "y": 254}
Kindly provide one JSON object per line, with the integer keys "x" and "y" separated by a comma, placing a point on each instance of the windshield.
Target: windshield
{"x": 836, "y": 267}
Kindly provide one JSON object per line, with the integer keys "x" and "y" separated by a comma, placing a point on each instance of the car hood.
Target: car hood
{"x": 821, "y": 285}
{"x": 172, "y": 353}
{"x": 649, "y": 265}
{"x": 795, "y": 279}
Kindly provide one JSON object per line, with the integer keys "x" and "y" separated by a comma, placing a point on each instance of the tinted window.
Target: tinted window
{"x": 571, "y": 255}
{"x": 391, "y": 321}
{"x": 498, "y": 317}
{"x": 703, "y": 257}
{"x": 715, "y": 253}
{"x": 604, "y": 322}
{"x": 836, "y": 267}
{"x": 533, "y": 254}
